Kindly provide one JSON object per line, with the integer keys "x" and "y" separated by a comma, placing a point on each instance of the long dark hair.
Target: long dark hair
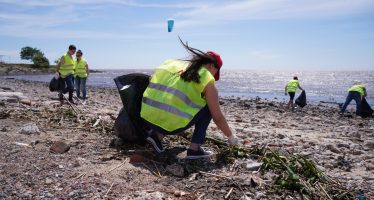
{"x": 198, "y": 59}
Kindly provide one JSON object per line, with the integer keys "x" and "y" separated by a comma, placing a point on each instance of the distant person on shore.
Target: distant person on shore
{"x": 81, "y": 74}
{"x": 65, "y": 68}
{"x": 291, "y": 89}
{"x": 356, "y": 92}
{"x": 182, "y": 93}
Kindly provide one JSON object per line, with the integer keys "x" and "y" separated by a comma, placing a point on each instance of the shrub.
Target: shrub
{"x": 40, "y": 61}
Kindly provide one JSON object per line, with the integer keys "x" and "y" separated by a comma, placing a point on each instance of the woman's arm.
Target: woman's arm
{"x": 300, "y": 87}
{"x": 211, "y": 95}
{"x": 60, "y": 63}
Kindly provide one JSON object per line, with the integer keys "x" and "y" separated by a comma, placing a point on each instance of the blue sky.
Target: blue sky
{"x": 252, "y": 34}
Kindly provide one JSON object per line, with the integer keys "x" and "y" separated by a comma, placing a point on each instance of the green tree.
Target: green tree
{"x": 40, "y": 61}
{"x": 27, "y": 53}
{"x": 57, "y": 60}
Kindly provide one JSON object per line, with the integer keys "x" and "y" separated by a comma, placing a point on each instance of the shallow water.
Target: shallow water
{"x": 328, "y": 86}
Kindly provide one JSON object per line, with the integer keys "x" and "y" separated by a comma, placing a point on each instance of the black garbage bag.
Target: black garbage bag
{"x": 301, "y": 99}
{"x": 366, "y": 110}
{"x": 57, "y": 84}
{"x": 129, "y": 125}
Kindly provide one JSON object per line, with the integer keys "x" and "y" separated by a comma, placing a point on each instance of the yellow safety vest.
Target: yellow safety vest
{"x": 68, "y": 67}
{"x": 170, "y": 102}
{"x": 292, "y": 85}
{"x": 80, "y": 68}
{"x": 357, "y": 88}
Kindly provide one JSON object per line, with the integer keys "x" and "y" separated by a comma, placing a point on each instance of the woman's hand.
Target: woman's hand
{"x": 233, "y": 140}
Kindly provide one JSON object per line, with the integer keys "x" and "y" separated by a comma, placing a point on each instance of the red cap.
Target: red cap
{"x": 218, "y": 59}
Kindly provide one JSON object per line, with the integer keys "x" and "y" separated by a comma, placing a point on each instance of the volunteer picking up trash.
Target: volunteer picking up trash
{"x": 182, "y": 93}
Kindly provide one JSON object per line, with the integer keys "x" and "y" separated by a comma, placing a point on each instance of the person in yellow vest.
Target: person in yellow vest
{"x": 291, "y": 89}
{"x": 182, "y": 93}
{"x": 65, "y": 68}
{"x": 356, "y": 92}
{"x": 81, "y": 73}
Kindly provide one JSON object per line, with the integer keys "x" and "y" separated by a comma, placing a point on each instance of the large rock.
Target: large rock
{"x": 59, "y": 147}
{"x": 29, "y": 129}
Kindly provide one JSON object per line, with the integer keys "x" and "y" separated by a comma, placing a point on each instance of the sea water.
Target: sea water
{"x": 325, "y": 86}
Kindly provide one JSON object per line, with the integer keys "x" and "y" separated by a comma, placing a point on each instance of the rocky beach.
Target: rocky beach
{"x": 52, "y": 151}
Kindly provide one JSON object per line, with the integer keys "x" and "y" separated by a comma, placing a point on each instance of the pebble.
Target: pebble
{"x": 343, "y": 145}
{"x": 178, "y": 193}
{"x": 29, "y": 129}
{"x": 332, "y": 148}
{"x": 253, "y": 165}
{"x": 59, "y": 147}
{"x": 369, "y": 144}
{"x": 175, "y": 169}
{"x": 48, "y": 181}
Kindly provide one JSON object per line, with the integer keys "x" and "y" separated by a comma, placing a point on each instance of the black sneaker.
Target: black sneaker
{"x": 155, "y": 142}
{"x": 191, "y": 154}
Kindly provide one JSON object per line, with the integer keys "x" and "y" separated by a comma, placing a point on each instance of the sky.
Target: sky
{"x": 248, "y": 34}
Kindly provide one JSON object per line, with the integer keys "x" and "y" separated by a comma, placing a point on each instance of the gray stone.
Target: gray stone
{"x": 343, "y": 145}
{"x": 281, "y": 136}
{"x": 245, "y": 197}
{"x": 175, "y": 169}
{"x": 332, "y": 148}
{"x": 144, "y": 195}
{"x": 369, "y": 144}
{"x": 369, "y": 167}
{"x": 11, "y": 100}
{"x": 48, "y": 181}
{"x": 29, "y": 129}
{"x": 252, "y": 165}
{"x": 356, "y": 152}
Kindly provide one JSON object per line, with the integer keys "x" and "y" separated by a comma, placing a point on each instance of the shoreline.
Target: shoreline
{"x": 21, "y": 69}
{"x": 311, "y": 99}
{"x": 342, "y": 147}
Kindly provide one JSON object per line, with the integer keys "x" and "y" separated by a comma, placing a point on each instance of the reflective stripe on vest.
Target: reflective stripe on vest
{"x": 167, "y": 108}
{"x": 357, "y": 88}
{"x": 80, "y": 68}
{"x": 68, "y": 67}
{"x": 170, "y": 102}
{"x": 292, "y": 85}
{"x": 175, "y": 92}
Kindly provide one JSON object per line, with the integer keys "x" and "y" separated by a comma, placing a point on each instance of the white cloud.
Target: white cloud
{"x": 132, "y": 3}
{"x": 19, "y": 21}
{"x": 274, "y": 9}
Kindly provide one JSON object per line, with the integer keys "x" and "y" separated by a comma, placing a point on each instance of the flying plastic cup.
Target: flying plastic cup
{"x": 170, "y": 25}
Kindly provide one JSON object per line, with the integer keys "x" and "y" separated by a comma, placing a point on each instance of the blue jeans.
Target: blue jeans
{"x": 69, "y": 85}
{"x": 80, "y": 83}
{"x": 201, "y": 121}
{"x": 353, "y": 96}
